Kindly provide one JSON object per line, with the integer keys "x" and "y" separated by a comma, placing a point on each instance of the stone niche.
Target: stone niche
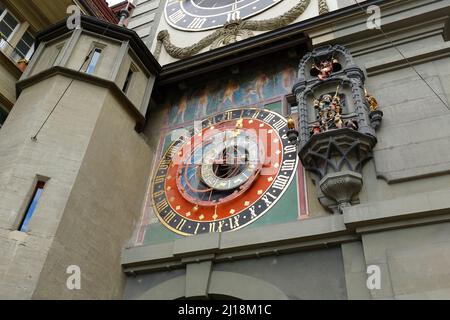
{"x": 337, "y": 123}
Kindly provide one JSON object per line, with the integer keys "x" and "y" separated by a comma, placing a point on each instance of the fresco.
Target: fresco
{"x": 245, "y": 89}
{"x": 265, "y": 88}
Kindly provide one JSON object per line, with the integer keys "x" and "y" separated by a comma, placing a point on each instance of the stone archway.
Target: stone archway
{"x": 221, "y": 283}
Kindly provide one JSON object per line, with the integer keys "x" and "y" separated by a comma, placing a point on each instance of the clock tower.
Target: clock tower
{"x": 278, "y": 169}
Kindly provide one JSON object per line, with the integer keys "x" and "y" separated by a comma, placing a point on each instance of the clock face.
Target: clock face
{"x": 200, "y": 15}
{"x": 225, "y": 174}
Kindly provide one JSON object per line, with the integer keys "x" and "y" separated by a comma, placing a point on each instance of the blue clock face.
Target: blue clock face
{"x": 200, "y": 15}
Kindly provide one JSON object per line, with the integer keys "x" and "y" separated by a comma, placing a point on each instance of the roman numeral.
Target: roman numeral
{"x": 158, "y": 194}
{"x": 171, "y": 151}
{"x": 220, "y": 226}
{"x": 288, "y": 165}
{"x": 281, "y": 182}
{"x": 169, "y": 217}
{"x": 256, "y": 114}
{"x": 234, "y": 222}
{"x": 266, "y": 199}
{"x": 253, "y": 212}
{"x": 197, "y": 23}
{"x": 177, "y": 16}
{"x": 212, "y": 227}
{"x": 181, "y": 224}
{"x": 279, "y": 125}
{"x": 269, "y": 118}
{"x": 235, "y": 15}
{"x": 164, "y": 164}
{"x": 229, "y": 115}
{"x": 290, "y": 149}
{"x": 196, "y": 228}
{"x": 162, "y": 205}
{"x": 159, "y": 179}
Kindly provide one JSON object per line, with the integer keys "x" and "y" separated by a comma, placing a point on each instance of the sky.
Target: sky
{"x": 113, "y": 2}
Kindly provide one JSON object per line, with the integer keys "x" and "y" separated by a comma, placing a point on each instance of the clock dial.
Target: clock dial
{"x": 226, "y": 174}
{"x": 200, "y": 15}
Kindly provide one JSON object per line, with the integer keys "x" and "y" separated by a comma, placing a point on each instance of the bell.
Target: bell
{"x": 336, "y": 65}
{"x": 291, "y": 123}
{"x": 314, "y": 70}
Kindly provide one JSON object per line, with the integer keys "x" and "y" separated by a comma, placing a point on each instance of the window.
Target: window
{"x": 25, "y": 47}
{"x": 3, "y": 115}
{"x": 93, "y": 61}
{"x": 8, "y": 25}
{"x": 39, "y": 189}
{"x": 128, "y": 80}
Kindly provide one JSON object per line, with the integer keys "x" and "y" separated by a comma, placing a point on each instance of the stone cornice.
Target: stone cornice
{"x": 320, "y": 232}
{"x": 106, "y": 29}
{"x": 229, "y": 30}
{"x": 86, "y": 78}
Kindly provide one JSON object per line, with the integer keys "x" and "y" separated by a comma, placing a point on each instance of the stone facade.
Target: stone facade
{"x": 99, "y": 149}
{"x": 399, "y": 221}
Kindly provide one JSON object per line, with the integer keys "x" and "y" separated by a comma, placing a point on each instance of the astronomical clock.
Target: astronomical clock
{"x": 200, "y": 15}
{"x": 225, "y": 173}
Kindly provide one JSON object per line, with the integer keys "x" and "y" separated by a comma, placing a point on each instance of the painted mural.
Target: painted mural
{"x": 245, "y": 89}
{"x": 265, "y": 88}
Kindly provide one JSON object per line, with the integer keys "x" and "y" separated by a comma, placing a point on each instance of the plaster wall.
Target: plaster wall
{"x": 56, "y": 155}
{"x": 93, "y": 229}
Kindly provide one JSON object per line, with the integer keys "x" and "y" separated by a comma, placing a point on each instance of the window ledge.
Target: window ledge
{"x": 10, "y": 65}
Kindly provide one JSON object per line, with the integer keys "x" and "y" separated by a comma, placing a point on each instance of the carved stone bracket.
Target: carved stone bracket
{"x": 336, "y": 159}
{"x": 229, "y": 33}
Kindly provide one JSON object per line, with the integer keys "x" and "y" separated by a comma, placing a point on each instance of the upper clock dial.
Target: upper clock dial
{"x": 200, "y": 15}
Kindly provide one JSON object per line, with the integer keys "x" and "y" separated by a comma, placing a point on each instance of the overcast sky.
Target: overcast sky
{"x": 113, "y": 2}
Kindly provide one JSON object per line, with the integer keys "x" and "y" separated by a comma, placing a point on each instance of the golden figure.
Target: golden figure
{"x": 373, "y": 103}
